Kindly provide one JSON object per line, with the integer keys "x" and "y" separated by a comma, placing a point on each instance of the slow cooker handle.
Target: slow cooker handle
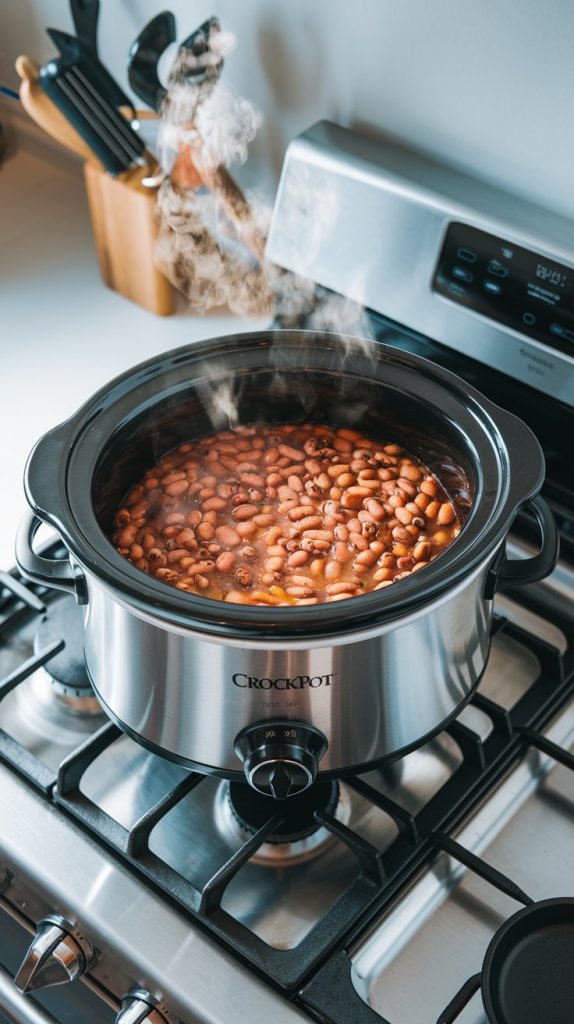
{"x": 49, "y": 572}
{"x": 516, "y": 572}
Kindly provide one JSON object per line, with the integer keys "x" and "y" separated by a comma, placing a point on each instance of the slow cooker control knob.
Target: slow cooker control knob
{"x": 280, "y": 759}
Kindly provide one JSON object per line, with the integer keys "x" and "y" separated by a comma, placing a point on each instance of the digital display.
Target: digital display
{"x": 509, "y": 284}
{"x": 556, "y": 277}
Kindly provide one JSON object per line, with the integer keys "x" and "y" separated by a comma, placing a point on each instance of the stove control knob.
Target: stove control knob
{"x": 58, "y": 954}
{"x": 139, "y": 1007}
{"x": 280, "y": 759}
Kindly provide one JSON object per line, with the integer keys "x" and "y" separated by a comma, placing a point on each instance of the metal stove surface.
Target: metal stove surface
{"x": 417, "y": 957}
{"x": 293, "y": 909}
{"x": 281, "y": 903}
{"x": 43, "y": 714}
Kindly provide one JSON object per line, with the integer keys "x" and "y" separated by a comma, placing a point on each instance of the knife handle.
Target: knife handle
{"x": 45, "y": 113}
{"x": 85, "y": 15}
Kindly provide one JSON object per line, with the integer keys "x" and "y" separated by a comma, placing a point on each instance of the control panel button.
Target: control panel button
{"x": 457, "y": 289}
{"x": 561, "y": 332}
{"x": 492, "y": 286}
{"x": 463, "y": 274}
{"x": 497, "y": 268}
{"x": 514, "y": 287}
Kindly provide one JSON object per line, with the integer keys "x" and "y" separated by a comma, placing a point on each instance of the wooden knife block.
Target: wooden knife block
{"x": 123, "y": 217}
{"x": 122, "y": 209}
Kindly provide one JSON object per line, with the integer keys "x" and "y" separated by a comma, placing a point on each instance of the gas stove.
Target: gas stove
{"x": 134, "y": 890}
{"x": 168, "y": 873}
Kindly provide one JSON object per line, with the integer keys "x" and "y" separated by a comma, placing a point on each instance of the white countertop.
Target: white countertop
{"x": 63, "y": 334}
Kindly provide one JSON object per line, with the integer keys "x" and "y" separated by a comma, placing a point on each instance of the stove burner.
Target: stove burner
{"x": 240, "y": 811}
{"x": 252, "y": 809}
{"x": 66, "y": 671}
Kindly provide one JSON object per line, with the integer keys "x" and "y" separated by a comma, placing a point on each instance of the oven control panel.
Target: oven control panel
{"x": 433, "y": 249}
{"x": 514, "y": 286}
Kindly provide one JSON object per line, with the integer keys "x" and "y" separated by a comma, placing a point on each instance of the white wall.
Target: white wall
{"x": 485, "y": 84}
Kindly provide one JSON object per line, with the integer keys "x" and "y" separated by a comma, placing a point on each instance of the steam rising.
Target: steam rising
{"x": 219, "y": 125}
{"x": 211, "y": 237}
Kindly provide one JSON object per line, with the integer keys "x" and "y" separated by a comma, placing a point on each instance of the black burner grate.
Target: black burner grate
{"x": 315, "y": 973}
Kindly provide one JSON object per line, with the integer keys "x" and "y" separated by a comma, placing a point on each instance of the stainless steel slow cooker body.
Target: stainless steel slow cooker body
{"x": 282, "y": 694}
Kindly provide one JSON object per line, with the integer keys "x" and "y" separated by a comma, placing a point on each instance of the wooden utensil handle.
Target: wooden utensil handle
{"x": 45, "y": 113}
{"x": 27, "y": 68}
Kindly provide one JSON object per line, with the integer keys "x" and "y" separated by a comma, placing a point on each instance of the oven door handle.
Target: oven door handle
{"x": 517, "y": 572}
{"x": 48, "y": 572}
{"x": 18, "y": 1008}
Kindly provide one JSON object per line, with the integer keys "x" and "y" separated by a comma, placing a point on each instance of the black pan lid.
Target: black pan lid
{"x": 528, "y": 975}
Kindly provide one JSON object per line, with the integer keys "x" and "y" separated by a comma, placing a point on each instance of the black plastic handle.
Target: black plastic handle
{"x": 48, "y": 572}
{"x": 144, "y": 55}
{"x": 85, "y": 16}
{"x": 462, "y": 997}
{"x": 516, "y": 572}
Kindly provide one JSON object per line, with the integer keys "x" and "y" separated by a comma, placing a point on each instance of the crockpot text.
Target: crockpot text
{"x": 282, "y": 683}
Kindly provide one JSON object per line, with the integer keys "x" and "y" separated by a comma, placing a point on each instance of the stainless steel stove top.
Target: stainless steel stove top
{"x": 416, "y": 957}
{"x": 283, "y": 904}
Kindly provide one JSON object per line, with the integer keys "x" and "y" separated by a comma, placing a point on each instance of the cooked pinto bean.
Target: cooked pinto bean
{"x": 206, "y": 531}
{"x": 225, "y": 561}
{"x": 341, "y": 588}
{"x": 307, "y": 523}
{"x": 298, "y": 512}
{"x": 353, "y": 514}
{"x": 243, "y": 512}
{"x": 247, "y": 529}
{"x": 126, "y": 536}
{"x": 375, "y": 509}
{"x": 421, "y": 550}
{"x": 401, "y": 534}
{"x": 227, "y": 536}
{"x": 404, "y": 516}
{"x": 264, "y": 519}
{"x": 366, "y": 558}
{"x": 294, "y": 454}
{"x": 315, "y": 547}
{"x": 446, "y": 514}
{"x": 342, "y": 553}
{"x": 177, "y": 489}
{"x": 297, "y": 558}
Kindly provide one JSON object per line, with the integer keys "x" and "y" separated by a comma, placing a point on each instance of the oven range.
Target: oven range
{"x": 159, "y": 882}
{"x": 427, "y": 889}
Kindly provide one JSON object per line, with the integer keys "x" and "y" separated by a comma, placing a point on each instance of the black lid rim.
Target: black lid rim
{"x": 95, "y": 553}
